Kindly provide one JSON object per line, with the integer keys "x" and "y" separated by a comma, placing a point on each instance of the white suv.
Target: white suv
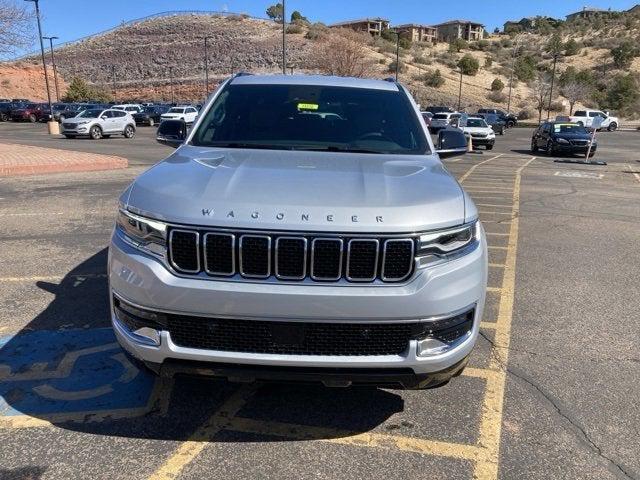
{"x": 186, "y": 114}
{"x": 129, "y": 108}
{"x": 99, "y": 123}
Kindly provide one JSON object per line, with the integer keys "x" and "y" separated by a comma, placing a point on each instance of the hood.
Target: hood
{"x": 293, "y": 190}
{"x": 572, "y": 136}
{"x": 486, "y": 130}
{"x": 79, "y": 120}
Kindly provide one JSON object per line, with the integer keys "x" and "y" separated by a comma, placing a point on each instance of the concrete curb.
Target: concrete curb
{"x": 17, "y": 160}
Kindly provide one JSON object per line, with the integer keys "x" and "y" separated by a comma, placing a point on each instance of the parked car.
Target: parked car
{"x": 509, "y": 119}
{"x": 5, "y": 100}
{"x": 150, "y": 115}
{"x": 99, "y": 123}
{"x": 586, "y": 118}
{"x": 442, "y": 120}
{"x": 563, "y": 137}
{"x": 427, "y": 116}
{"x": 128, "y": 107}
{"x": 31, "y": 112}
{"x": 238, "y": 252}
{"x": 479, "y": 131}
{"x": 21, "y": 100}
{"x": 439, "y": 109}
{"x": 494, "y": 121}
{"x": 187, "y": 114}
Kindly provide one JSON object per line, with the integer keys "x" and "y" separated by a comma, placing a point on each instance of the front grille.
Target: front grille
{"x": 69, "y": 126}
{"x": 580, "y": 143}
{"x": 289, "y": 257}
{"x": 290, "y": 338}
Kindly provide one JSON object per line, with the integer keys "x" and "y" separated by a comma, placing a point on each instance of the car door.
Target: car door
{"x": 119, "y": 120}
{"x": 192, "y": 113}
{"x": 105, "y": 121}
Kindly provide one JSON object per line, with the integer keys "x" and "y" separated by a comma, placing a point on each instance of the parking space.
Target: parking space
{"x": 550, "y": 391}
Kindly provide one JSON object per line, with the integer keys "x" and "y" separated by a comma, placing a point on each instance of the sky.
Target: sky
{"x": 72, "y": 19}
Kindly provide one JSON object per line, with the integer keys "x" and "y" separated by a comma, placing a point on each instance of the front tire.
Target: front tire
{"x": 95, "y": 133}
{"x": 550, "y": 149}
{"x": 489, "y": 147}
{"x": 613, "y": 126}
{"x": 33, "y": 118}
{"x": 129, "y": 131}
{"x": 534, "y": 147}
{"x": 151, "y": 122}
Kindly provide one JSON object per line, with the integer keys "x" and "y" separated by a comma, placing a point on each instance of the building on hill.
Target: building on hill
{"x": 634, "y": 10}
{"x": 455, "y": 29}
{"x": 588, "y": 13}
{"x": 373, "y": 26}
{"x": 529, "y": 23}
{"x": 417, "y": 33}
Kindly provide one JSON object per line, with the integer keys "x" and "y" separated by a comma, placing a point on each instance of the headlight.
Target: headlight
{"x": 143, "y": 233}
{"x": 448, "y": 244}
{"x": 82, "y": 123}
{"x": 562, "y": 140}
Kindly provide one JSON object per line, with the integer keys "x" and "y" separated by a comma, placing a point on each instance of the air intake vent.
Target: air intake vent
{"x": 255, "y": 256}
{"x": 397, "y": 259}
{"x": 362, "y": 260}
{"x": 183, "y": 251}
{"x": 219, "y": 253}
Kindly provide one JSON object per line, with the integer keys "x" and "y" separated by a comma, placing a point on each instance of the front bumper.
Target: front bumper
{"x": 574, "y": 149}
{"x": 484, "y": 140}
{"x": 434, "y": 292}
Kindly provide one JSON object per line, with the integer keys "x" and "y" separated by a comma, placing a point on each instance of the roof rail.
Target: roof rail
{"x": 390, "y": 79}
{"x": 242, "y": 74}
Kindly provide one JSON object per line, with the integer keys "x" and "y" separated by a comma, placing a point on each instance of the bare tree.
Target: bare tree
{"x": 540, "y": 89}
{"x": 575, "y": 91}
{"x": 16, "y": 23}
{"x": 344, "y": 53}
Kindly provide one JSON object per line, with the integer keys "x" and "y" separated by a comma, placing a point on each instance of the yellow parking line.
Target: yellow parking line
{"x": 491, "y": 420}
{"x": 496, "y": 234}
{"x": 191, "y": 448}
{"x": 635, "y": 174}
{"x": 472, "y": 169}
{"x": 491, "y": 212}
{"x": 496, "y": 265}
{"x": 345, "y": 437}
{"x": 496, "y": 247}
{"x": 508, "y": 205}
{"x": 488, "y": 325}
{"x": 494, "y": 289}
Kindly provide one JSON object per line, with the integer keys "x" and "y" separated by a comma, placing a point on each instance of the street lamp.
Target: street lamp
{"x": 284, "y": 40}
{"x": 206, "y": 67}
{"x": 44, "y": 65}
{"x": 53, "y": 63}
{"x": 171, "y": 83}
{"x": 113, "y": 82}
{"x": 460, "y": 92}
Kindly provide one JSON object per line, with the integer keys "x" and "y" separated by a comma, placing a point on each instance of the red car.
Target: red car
{"x": 32, "y": 112}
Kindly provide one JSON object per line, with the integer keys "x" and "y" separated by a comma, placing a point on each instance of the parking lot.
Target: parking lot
{"x": 551, "y": 390}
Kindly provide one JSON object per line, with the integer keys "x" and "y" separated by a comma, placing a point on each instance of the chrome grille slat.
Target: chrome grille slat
{"x": 333, "y": 257}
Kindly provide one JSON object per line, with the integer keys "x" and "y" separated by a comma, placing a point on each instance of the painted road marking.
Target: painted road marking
{"x": 596, "y": 176}
{"x": 51, "y": 278}
{"x": 635, "y": 174}
{"x": 491, "y": 212}
{"x": 497, "y": 234}
{"x": 493, "y": 205}
{"x": 473, "y": 168}
{"x": 491, "y": 420}
{"x": 496, "y": 265}
{"x": 189, "y": 450}
{"x": 35, "y": 214}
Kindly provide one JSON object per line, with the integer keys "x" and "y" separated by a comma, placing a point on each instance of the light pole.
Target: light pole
{"x": 113, "y": 82}
{"x": 553, "y": 78}
{"x": 284, "y": 39}
{"x": 460, "y": 92}
{"x": 206, "y": 67}
{"x": 44, "y": 65}
{"x": 171, "y": 83}
{"x": 513, "y": 69}
{"x": 53, "y": 63}
{"x": 397, "y": 53}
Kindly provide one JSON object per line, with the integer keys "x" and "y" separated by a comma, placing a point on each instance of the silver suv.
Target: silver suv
{"x": 99, "y": 123}
{"x": 304, "y": 229}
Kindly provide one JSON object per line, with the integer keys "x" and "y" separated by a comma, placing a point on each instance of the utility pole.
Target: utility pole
{"x": 284, "y": 40}
{"x": 397, "y": 53}
{"x": 44, "y": 65}
{"x": 553, "y": 79}
{"x": 513, "y": 69}
{"x": 53, "y": 63}
{"x": 171, "y": 83}
{"x": 460, "y": 92}
{"x": 206, "y": 68}
{"x": 113, "y": 81}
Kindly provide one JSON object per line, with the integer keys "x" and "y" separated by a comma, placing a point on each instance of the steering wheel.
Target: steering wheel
{"x": 374, "y": 136}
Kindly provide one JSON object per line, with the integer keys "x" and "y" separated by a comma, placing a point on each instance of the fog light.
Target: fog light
{"x": 143, "y": 326}
{"x": 442, "y": 335}
{"x": 150, "y": 334}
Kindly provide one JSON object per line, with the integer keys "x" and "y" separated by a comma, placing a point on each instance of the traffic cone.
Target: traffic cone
{"x": 470, "y": 144}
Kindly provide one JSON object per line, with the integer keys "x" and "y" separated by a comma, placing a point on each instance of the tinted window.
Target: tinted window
{"x": 580, "y": 113}
{"x": 441, "y": 116}
{"x": 569, "y": 128}
{"x": 474, "y": 122}
{"x": 89, "y": 114}
{"x": 118, "y": 114}
{"x": 312, "y": 117}
{"x": 176, "y": 110}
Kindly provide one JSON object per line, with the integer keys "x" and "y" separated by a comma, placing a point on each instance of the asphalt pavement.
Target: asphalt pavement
{"x": 551, "y": 391}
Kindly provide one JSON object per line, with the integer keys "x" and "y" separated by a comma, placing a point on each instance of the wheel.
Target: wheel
{"x": 151, "y": 122}
{"x": 581, "y": 124}
{"x": 591, "y": 154}
{"x": 129, "y": 131}
{"x": 95, "y": 133}
{"x": 489, "y": 147}
{"x": 534, "y": 146}
{"x": 33, "y": 118}
{"x": 69, "y": 136}
{"x": 4, "y": 117}
{"x": 511, "y": 124}
{"x": 61, "y": 118}
{"x": 613, "y": 126}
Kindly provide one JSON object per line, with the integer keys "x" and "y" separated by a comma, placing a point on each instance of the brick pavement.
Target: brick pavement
{"x": 29, "y": 160}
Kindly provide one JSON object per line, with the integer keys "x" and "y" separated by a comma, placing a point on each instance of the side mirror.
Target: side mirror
{"x": 172, "y": 133}
{"x": 452, "y": 142}
{"x": 103, "y": 117}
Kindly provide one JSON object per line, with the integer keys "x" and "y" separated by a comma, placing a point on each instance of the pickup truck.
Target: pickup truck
{"x": 586, "y": 117}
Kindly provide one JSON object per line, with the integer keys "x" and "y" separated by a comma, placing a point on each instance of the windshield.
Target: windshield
{"x": 441, "y": 116}
{"x": 476, "y": 122}
{"x": 149, "y": 109}
{"x": 176, "y": 110}
{"x": 89, "y": 114}
{"x": 569, "y": 128}
{"x": 312, "y": 117}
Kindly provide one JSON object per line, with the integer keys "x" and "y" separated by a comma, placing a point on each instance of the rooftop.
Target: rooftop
{"x": 359, "y": 20}
{"x": 464, "y": 22}
{"x": 413, "y": 25}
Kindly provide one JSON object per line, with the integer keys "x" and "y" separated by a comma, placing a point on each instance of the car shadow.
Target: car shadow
{"x": 66, "y": 368}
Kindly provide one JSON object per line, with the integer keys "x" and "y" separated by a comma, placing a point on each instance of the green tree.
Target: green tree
{"x": 469, "y": 65}
{"x": 555, "y": 45}
{"x": 497, "y": 85}
{"x": 624, "y": 54}
{"x": 525, "y": 68}
{"x": 458, "y": 45}
{"x": 296, "y": 17}
{"x": 433, "y": 79}
{"x": 571, "y": 48}
{"x": 622, "y": 94}
{"x": 275, "y": 12}
{"x": 81, "y": 91}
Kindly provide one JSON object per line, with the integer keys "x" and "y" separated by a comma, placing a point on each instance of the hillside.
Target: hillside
{"x": 147, "y": 56}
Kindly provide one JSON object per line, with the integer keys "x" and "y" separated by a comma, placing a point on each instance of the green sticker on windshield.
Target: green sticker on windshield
{"x": 308, "y": 106}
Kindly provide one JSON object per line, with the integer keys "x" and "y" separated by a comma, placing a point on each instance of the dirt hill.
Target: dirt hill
{"x": 145, "y": 57}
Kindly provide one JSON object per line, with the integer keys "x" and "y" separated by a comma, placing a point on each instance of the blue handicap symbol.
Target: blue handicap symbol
{"x": 66, "y": 372}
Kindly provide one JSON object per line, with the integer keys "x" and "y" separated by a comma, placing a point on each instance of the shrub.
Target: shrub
{"x": 525, "y": 68}
{"x": 402, "y": 67}
{"x": 382, "y": 61}
{"x": 458, "y": 45}
{"x": 623, "y": 92}
{"x": 433, "y": 79}
{"x": 526, "y": 114}
{"x": 497, "y": 85}
{"x": 295, "y": 28}
{"x": 422, "y": 60}
{"x": 488, "y": 62}
{"x": 571, "y": 48}
{"x": 469, "y": 65}
{"x": 316, "y": 31}
{"x": 81, "y": 91}
{"x": 557, "y": 106}
{"x": 624, "y": 54}
{"x": 497, "y": 97}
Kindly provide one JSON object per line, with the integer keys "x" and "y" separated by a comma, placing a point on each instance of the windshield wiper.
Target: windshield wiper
{"x": 249, "y": 145}
{"x": 332, "y": 148}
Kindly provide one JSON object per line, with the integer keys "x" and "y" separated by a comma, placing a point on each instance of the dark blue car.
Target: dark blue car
{"x": 562, "y": 138}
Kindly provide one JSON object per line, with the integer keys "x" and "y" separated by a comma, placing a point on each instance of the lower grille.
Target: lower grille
{"x": 69, "y": 126}
{"x": 290, "y": 338}
{"x": 259, "y": 256}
